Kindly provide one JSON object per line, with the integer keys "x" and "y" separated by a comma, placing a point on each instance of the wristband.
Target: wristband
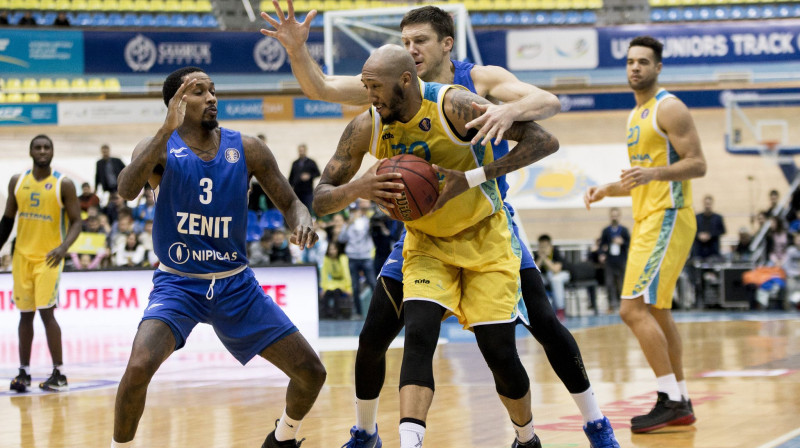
{"x": 475, "y": 177}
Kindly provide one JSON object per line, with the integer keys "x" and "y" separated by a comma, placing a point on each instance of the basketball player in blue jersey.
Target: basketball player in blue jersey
{"x": 427, "y": 34}
{"x": 462, "y": 258}
{"x": 49, "y": 222}
{"x": 665, "y": 154}
{"x": 201, "y": 173}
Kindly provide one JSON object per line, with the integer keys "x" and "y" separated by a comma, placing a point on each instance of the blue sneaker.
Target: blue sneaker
{"x": 360, "y": 439}
{"x": 600, "y": 434}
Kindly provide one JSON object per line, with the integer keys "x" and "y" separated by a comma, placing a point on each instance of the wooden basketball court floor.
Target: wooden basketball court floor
{"x": 743, "y": 371}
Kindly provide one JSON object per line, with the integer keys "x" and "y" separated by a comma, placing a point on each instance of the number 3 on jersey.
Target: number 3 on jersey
{"x": 206, "y": 184}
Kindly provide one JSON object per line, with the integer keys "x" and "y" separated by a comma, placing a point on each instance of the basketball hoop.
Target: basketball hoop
{"x": 769, "y": 150}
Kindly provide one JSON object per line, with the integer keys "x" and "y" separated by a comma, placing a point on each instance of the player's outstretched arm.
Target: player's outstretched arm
{"x": 7, "y": 221}
{"x": 261, "y": 164}
{"x": 335, "y": 191}
{"x": 533, "y": 144}
{"x": 597, "y": 193}
{"x": 151, "y": 153}
{"x": 69, "y": 197}
{"x": 315, "y": 84}
{"x": 520, "y": 102}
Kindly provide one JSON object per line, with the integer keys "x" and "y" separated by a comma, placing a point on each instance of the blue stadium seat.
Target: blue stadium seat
{"x": 525, "y": 18}
{"x": 146, "y": 20}
{"x": 769, "y": 12}
{"x": 115, "y": 19}
{"x": 573, "y": 17}
{"x": 558, "y": 18}
{"x": 271, "y": 219}
{"x": 796, "y": 11}
{"x": 193, "y": 21}
{"x": 752, "y": 12}
{"x": 178, "y": 20}
{"x": 99, "y": 19}
{"x": 705, "y": 13}
{"x": 83, "y": 19}
{"x": 589, "y": 17}
{"x": 318, "y": 21}
{"x": 690, "y": 14}
{"x": 737, "y": 13}
{"x": 722, "y": 13}
{"x": 541, "y": 18}
{"x": 784, "y": 11}
{"x": 130, "y": 19}
{"x": 494, "y": 18}
{"x": 478, "y": 19}
{"x": 674, "y": 15}
{"x": 13, "y": 18}
{"x": 253, "y": 229}
{"x": 510, "y": 18}
{"x": 209, "y": 21}
{"x": 658, "y": 15}
{"x": 162, "y": 20}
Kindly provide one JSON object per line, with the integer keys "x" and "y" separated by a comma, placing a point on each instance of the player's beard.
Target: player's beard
{"x": 209, "y": 125}
{"x": 42, "y": 164}
{"x": 395, "y": 105}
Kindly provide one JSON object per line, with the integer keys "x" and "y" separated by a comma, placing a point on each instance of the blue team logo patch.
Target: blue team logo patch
{"x": 48, "y": 186}
{"x": 232, "y": 155}
{"x": 645, "y": 113}
{"x": 179, "y": 253}
{"x": 425, "y": 124}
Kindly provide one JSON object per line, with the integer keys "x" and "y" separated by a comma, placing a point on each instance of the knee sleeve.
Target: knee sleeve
{"x": 499, "y": 349}
{"x": 383, "y": 323}
{"x": 423, "y": 320}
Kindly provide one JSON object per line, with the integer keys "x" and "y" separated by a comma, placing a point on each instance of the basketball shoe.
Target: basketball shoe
{"x": 600, "y": 434}
{"x": 21, "y": 382}
{"x": 271, "y": 442}
{"x": 533, "y": 443}
{"x": 666, "y": 412}
{"x": 360, "y": 439}
{"x": 56, "y": 383}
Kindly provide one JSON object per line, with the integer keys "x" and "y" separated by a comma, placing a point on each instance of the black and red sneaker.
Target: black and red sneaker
{"x": 666, "y": 412}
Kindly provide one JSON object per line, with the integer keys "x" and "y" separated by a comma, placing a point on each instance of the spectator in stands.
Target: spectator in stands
{"x": 87, "y": 261}
{"x": 3, "y": 17}
{"x": 131, "y": 254}
{"x": 88, "y": 198}
{"x": 5, "y": 260}
{"x": 317, "y": 253}
{"x": 741, "y": 252}
{"x": 302, "y": 175}
{"x": 773, "y": 202}
{"x": 146, "y": 240}
{"x": 116, "y": 205}
{"x": 107, "y": 170}
{"x": 27, "y": 20}
{"x": 710, "y": 228}
{"x": 614, "y": 242}
{"x": 61, "y": 19}
{"x": 280, "y": 248}
{"x": 778, "y": 241}
{"x": 257, "y": 200}
{"x": 335, "y": 282}
{"x": 120, "y": 231}
{"x": 146, "y": 209}
{"x": 385, "y": 232}
{"x": 359, "y": 247}
{"x": 791, "y": 265}
{"x": 261, "y": 250}
{"x": 551, "y": 263}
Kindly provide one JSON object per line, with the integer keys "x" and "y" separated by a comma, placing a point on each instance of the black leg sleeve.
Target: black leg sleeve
{"x": 499, "y": 349}
{"x": 384, "y": 321}
{"x": 559, "y": 345}
{"x": 423, "y": 321}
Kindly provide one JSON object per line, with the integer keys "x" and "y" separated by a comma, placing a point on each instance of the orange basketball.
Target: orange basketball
{"x": 421, "y": 186}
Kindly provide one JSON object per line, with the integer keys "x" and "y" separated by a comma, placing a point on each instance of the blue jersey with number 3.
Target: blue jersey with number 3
{"x": 201, "y": 208}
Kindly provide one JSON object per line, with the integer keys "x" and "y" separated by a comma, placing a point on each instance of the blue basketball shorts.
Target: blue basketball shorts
{"x": 393, "y": 266}
{"x": 245, "y": 319}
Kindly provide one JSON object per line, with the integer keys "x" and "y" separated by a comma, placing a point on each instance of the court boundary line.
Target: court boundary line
{"x": 782, "y": 439}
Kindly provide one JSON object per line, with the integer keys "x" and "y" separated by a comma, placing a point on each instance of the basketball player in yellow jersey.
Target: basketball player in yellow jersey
{"x": 463, "y": 257}
{"x": 41, "y": 197}
{"x": 664, "y": 151}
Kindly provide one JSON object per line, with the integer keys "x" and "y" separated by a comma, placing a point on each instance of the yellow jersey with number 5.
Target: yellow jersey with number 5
{"x": 649, "y": 146}
{"x": 41, "y": 221}
{"x": 429, "y": 135}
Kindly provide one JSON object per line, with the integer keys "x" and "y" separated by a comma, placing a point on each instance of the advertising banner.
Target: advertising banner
{"x": 305, "y": 108}
{"x": 247, "y": 109}
{"x": 706, "y": 43}
{"x": 41, "y": 52}
{"x": 27, "y": 114}
{"x": 111, "y": 112}
{"x": 552, "y": 49}
{"x": 119, "y": 298}
{"x": 164, "y": 52}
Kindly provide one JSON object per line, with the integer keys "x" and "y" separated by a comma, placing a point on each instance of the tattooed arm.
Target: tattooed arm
{"x": 261, "y": 164}
{"x": 335, "y": 191}
{"x": 533, "y": 143}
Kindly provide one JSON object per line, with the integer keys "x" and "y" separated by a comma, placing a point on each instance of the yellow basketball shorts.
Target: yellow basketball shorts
{"x": 660, "y": 245}
{"x": 35, "y": 283}
{"x": 474, "y": 274}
